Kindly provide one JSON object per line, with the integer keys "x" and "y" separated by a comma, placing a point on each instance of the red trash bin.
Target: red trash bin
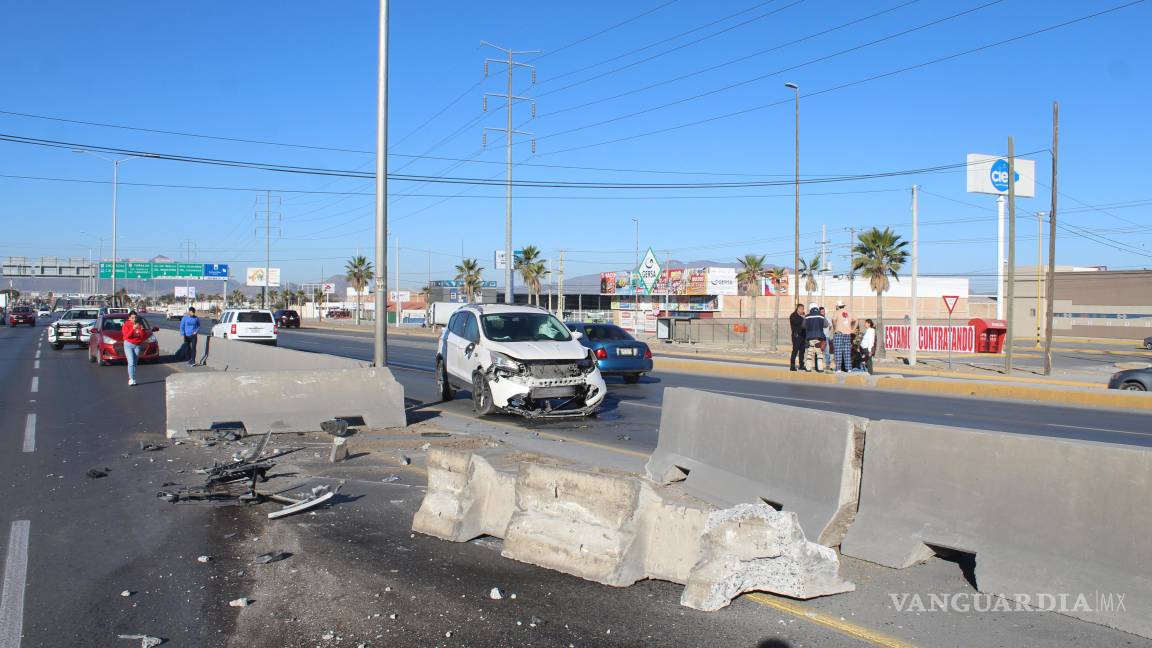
{"x": 990, "y": 334}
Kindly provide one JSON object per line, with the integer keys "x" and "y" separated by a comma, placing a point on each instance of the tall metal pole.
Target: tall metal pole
{"x": 1039, "y": 273}
{"x": 560, "y": 298}
{"x": 852, "y": 271}
{"x": 115, "y": 184}
{"x": 508, "y": 194}
{"x": 1010, "y": 306}
{"x": 1000, "y": 201}
{"x": 632, "y": 279}
{"x": 399, "y": 303}
{"x": 267, "y": 245}
{"x": 1051, "y": 283}
{"x": 823, "y": 264}
{"x": 380, "y": 330}
{"x": 796, "y": 251}
{"x": 913, "y": 328}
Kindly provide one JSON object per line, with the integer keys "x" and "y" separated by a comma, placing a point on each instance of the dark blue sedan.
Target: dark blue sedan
{"x": 617, "y": 352}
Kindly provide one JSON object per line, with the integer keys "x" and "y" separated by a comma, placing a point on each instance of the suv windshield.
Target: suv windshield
{"x": 80, "y": 314}
{"x": 524, "y": 327}
{"x": 254, "y": 316}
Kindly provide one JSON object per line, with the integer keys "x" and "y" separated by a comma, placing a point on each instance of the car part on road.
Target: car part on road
{"x": 94, "y": 473}
{"x": 146, "y": 641}
{"x": 317, "y": 496}
{"x": 271, "y": 557}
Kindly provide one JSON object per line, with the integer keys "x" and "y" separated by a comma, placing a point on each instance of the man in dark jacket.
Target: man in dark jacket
{"x": 814, "y": 338}
{"x": 796, "y": 321}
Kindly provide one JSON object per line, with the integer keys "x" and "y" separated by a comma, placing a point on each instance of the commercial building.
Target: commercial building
{"x": 1090, "y": 302}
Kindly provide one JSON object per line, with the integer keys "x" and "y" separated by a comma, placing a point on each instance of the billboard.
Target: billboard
{"x": 775, "y": 288}
{"x": 607, "y": 283}
{"x": 721, "y": 281}
{"x": 405, "y": 295}
{"x": 263, "y": 277}
{"x": 988, "y": 174}
{"x": 184, "y": 292}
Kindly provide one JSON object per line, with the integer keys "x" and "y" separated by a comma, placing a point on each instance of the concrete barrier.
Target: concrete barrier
{"x": 732, "y": 450}
{"x": 466, "y": 497}
{"x": 617, "y": 530}
{"x": 1053, "y": 523}
{"x": 235, "y": 355}
{"x": 282, "y": 401}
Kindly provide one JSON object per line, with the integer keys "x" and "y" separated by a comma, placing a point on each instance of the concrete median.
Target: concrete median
{"x": 1049, "y": 520}
{"x": 282, "y": 401}
{"x": 236, "y": 355}
{"x": 731, "y": 450}
{"x": 466, "y": 497}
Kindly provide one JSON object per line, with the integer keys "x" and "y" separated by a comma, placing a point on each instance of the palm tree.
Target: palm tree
{"x": 530, "y": 266}
{"x": 470, "y": 272}
{"x": 808, "y": 272}
{"x": 300, "y": 297}
{"x": 878, "y": 255}
{"x": 273, "y": 296}
{"x": 358, "y": 272}
{"x": 751, "y": 272}
{"x": 777, "y": 276}
{"x": 236, "y": 297}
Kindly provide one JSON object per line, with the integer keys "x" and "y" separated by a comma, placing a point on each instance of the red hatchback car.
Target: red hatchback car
{"x": 22, "y": 315}
{"x": 106, "y": 344}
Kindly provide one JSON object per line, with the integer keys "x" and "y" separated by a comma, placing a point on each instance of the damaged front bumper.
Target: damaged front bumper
{"x": 534, "y": 397}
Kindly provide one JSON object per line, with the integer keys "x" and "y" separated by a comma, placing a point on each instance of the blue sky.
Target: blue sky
{"x": 304, "y": 73}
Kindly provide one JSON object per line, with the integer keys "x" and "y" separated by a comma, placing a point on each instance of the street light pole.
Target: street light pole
{"x": 380, "y": 328}
{"x": 632, "y": 278}
{"x": 115, "y": 186}
{"x": 796, "y": 252}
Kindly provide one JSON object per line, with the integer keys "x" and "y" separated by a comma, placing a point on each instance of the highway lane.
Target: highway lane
{"x": 87, "y": 540}
{"x": 631, "y": 414}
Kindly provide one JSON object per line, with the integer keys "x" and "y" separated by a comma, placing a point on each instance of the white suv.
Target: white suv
{"x": 73, "y": 327}
{"x": 246, "y": 324}
{"x": 519, "y": 360}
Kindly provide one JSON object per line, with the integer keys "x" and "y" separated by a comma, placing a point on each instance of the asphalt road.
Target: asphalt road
{"x": 634, "y": 410}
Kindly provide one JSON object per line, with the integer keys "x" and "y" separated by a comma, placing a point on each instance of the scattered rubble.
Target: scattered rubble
{"x": 203, "y": 559}
{"x": 271, "y": 557}
{"x": 495, "y": 594}
{"x": 126, "y": 593}
{"x": 147, "y": 446}
{"x": 94, "y": 473}
{"x": 146, "y": 641}
{"x": 240, "y": 602}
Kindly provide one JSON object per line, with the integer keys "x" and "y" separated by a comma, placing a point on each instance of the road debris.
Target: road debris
{"x": 336, "y": 427}
{"x": 94, "y": 473}
{"x": 126, "y": 593}
{"x": 148, "y": 446}
{"x": 271, "y": 557}
{"x": 426, "y": 446}
{"x": 390, "y": 478}
{"x": 203, "y": 559}
{"x": 339, "y": 449}
{"x": 405, "y": 460}
{"x": 435, "y": 435}
{"x": 495, "y": 594}
{"x": 146, "y": 641}
{"x": 240, "y": 602}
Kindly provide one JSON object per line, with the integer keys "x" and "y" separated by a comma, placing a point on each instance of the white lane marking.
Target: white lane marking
{"x": 35, "y": 384}
{"x": 639, "y": 404}
{"x": 30, "y": 433}
{"x": 36, "y": 365}
{"x": 37, "y": 354}
{"x": 1096, "y": 429}
{"x": 12, "y": 592}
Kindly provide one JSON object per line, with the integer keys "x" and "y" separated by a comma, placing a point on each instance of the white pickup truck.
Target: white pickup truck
{"x": 175, "y": 311}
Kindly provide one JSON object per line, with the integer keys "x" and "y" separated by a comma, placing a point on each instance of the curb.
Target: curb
{"x": 1093, "y": 396}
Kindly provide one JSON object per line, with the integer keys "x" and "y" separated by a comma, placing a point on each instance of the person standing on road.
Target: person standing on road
{"x": 189, "y": 327}
{"x": 867, "y": 345}
{"x": 796, "y": 321}
{"x": 842, "y": 338}
{"x": 827, "y": 339}
{"x": 134, "y": 335}
{"x": 814, "y": 338}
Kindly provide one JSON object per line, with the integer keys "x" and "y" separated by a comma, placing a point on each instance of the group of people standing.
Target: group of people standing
{"x": 842, "y": 343}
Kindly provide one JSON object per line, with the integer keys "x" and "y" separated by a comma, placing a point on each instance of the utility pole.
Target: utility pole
{"x": 267, "y": 227}
{"x": 913, "y": 338}
{"x": 823, "y": 263}
{"x": 380, "y": 328}
{"x": 1039, "y": 270}
{"x": 1050, "y": 289}
{"x": 509, "y": 133}
{"x": 1000, "y": 201}
{"x": 1011, "y": 287}
{"x": 796, "y": 252}
{"x": 560, "y": 300}
{"x": 632, "y": 277}
{"x": 852, "y": 270}
{"x": 397, "y": 300}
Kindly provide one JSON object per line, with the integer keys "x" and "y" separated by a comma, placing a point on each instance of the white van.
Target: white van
{"x": 440, "y": 312}
{"x": 248, "y": 325}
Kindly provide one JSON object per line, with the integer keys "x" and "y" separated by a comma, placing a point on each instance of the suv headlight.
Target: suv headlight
{"x": 504, "y": 362}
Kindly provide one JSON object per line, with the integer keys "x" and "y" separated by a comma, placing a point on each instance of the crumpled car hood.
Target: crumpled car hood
{"x": 542, "y": 350}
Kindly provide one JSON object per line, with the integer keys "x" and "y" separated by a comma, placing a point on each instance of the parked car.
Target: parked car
{"x": 519, "y": 360}
{"x": 1132, "y": 380}
{"x": 287, "y": 318}
{"x": 249, "y": 325}
{"x": 1148, "y": 343}
{"x": 617, "y": 352}
{"x": 18, "y": 315}
{"x": 338, "y": 313}
{"x": 73, "y": 327}
{"x": 106, "y": 344}
{"x": 44, "y": 312}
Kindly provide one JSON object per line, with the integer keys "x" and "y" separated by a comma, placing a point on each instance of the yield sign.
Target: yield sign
{"x": 950, "y": 302}
{"x": 649, "y": 271}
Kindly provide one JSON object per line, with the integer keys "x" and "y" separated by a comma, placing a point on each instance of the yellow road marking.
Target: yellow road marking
{"x": 843, "y": 627}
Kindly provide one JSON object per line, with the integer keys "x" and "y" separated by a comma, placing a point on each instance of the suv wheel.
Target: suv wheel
{"x": 481, "y": 395}
{"x": 442, "y": 386}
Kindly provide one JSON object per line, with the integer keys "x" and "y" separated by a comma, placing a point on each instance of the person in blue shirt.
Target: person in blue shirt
{"x": 189, "y": 327}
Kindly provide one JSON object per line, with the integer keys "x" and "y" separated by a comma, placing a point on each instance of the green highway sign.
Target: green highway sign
{"x": 163, "y": 270}
{"x": 166, "y": 269}
{"x": 190, "y": 269}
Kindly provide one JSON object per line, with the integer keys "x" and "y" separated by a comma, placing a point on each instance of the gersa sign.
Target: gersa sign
{"x": 649, "y": 271}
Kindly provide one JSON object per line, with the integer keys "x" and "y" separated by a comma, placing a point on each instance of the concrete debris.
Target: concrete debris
{"x": 240, "y": 602}
{"x": 336, "y": 427}
{"x": 426, "y": 446}
{"x": 146, "y": 641}
{"x": 94, "y": 473}
{"x": 405, "y": 460}
{"x": 146, "y": 446}
{"x": 618, "y": 530}
{"x": 495, "y": 594}
{"x": 339, "y": 449}
{"x": 277, "y": 556}
{"x": 126, "y": 593}
{"x": 390, "y": 478}
{"x": 203, "y": 559}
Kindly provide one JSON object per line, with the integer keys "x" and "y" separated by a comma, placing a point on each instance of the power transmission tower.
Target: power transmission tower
{"x": 267, "y": 214}
{"x": 189, "y": 248}
{"x": 509, "y": 133}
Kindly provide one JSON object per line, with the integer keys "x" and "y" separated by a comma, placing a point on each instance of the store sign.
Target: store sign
{"x": 722, "y": 281}
{"x": 959, "y": 339}
{"x": 988, "y": 174}
{"x": 649, "y": 271}
{"x": 328, "y": 288}
{"x": 405, "y": 295}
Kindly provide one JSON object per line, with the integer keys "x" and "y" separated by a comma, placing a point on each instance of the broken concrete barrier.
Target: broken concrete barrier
{"x": 617, "y": 530}
{"x": 466, "y": 497}
{"x": 576, "y": 522}
{"x": 1045, "y": 517}
{"x": 282, "y": 401}
{"x": 339, "y": 450}
{"x": 746, "y": 546}
{"x": 731, "y": 450}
